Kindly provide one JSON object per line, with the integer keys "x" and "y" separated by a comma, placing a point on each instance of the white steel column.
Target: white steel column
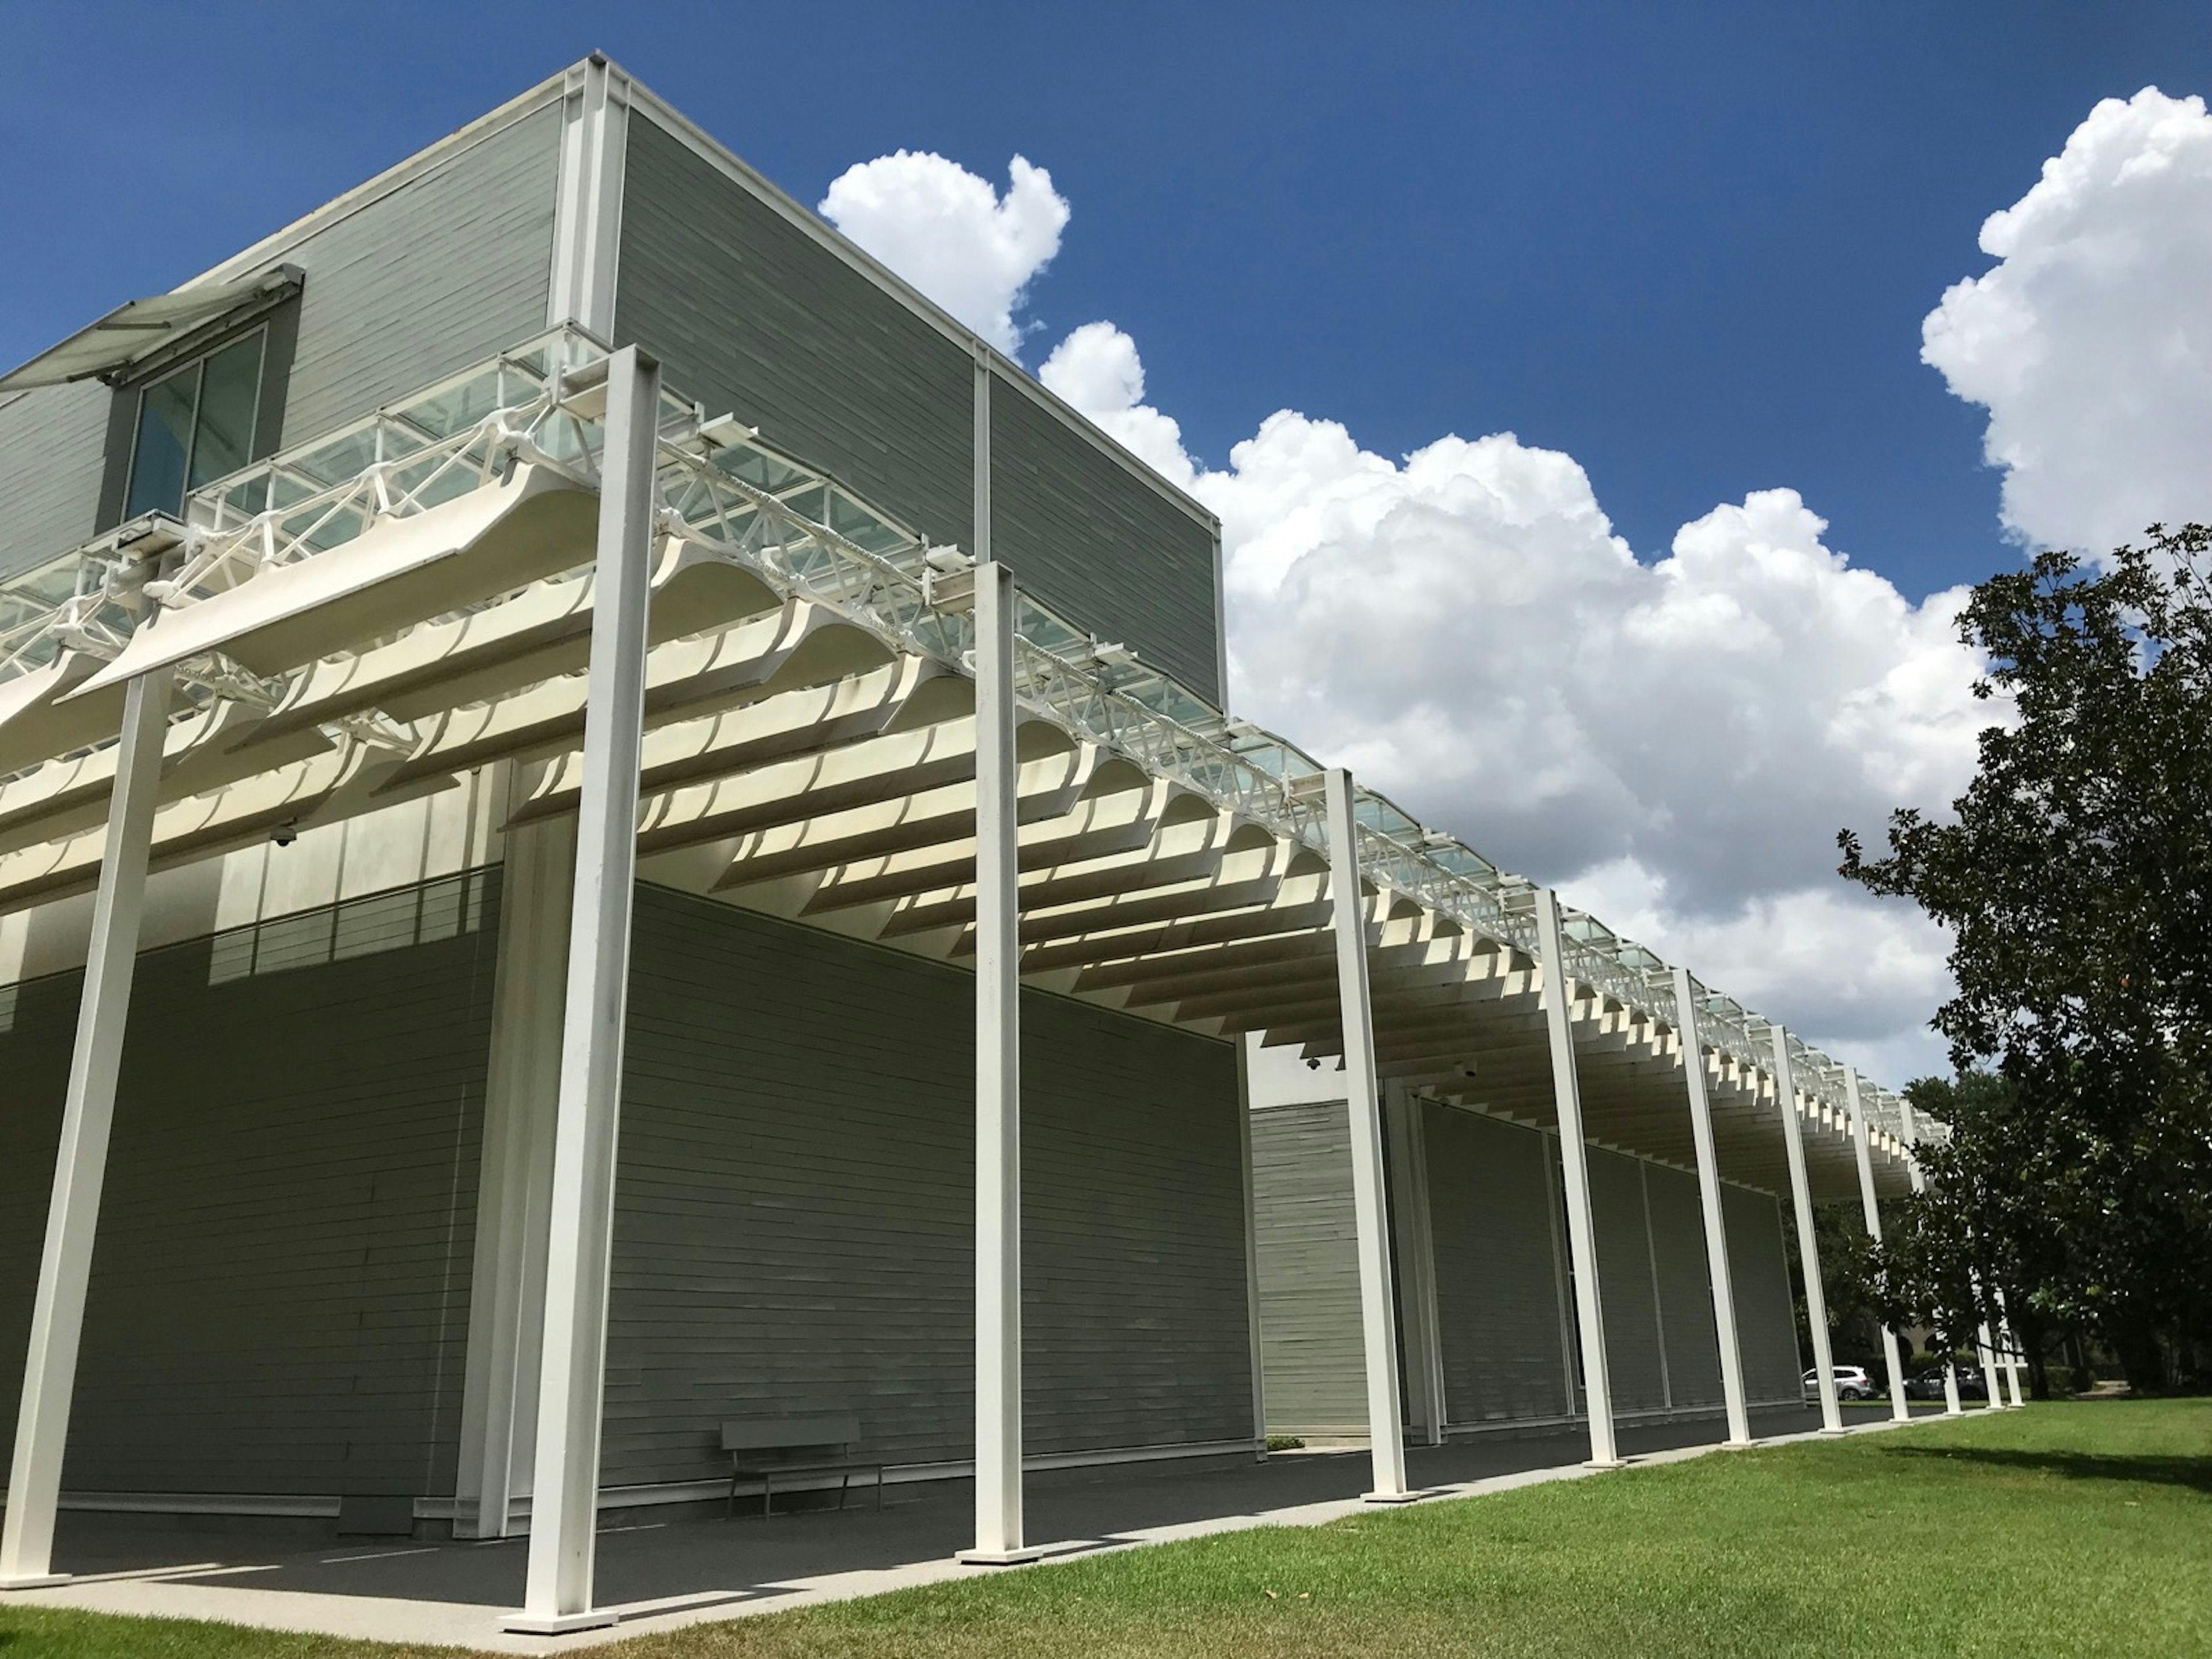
{"x": 998, "y": 1538}
{"x": 979, "y": 538}
{"x": 1900, "y": 1406}
{"x": 2014, "y": 1352}
{"x": 1574, "y": 1169}
{"x": 1809, "y": 1249}
{"x": 1985, "y": 1351}
{"x": 1251, "y": 1245}
{"x": 507, "y": 1295}
{"x": 26, "y": 1541}
{"x": 1709, "y": 1196}
{"x": 587, "y": 199}
{"x": 572, "y": 1378}
{"x": 1348, "y": 911}
{"x": 1919, "y": 1179}
{"x": 1407, "y": 1145}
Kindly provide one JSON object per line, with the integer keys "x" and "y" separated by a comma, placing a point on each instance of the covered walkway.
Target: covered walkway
{"x": 697, "y": 660}
{"x": 663, "y": 1575}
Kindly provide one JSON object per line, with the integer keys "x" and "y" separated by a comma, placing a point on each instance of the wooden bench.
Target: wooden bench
{"x": 761, "y": 1447}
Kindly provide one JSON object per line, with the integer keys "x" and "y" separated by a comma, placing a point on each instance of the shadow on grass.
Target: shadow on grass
{"x": 2194, "y": 1473}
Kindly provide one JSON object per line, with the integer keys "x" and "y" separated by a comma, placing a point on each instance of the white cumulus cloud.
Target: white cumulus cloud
{"x": 952, "y": 234}
{"x": 2090, "y": 341}
{"x": 1673, "y": 738}
{"x": 1096, "y": 369}
{"x": 1863, "y": 976}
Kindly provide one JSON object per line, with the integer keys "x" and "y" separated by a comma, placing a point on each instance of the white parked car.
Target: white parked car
{"x": 1852, "y": 1383}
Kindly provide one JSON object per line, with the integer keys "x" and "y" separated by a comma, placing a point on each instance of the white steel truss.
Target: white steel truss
{"x": 294, "y": 600}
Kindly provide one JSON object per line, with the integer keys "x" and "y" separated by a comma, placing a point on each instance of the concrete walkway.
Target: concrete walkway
{"x": 664, "y": 1576}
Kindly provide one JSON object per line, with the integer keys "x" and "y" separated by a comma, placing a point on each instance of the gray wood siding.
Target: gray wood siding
{"x": 279, "y": 1295}
{"x": 1497, "y": 1296}
{"x": 447, "y": 270}
{"x": 1309, "y": 1326}
{"x": 1685, "y": 1288}
{"x": 1624, "y": 1271}
{"x": 53, "y": 445}
{"x": 795, "y": 1207}
{"x": 1100, "y": 546}
{"x": 753, "y": 317}
{"x": 1767, "y": 1317}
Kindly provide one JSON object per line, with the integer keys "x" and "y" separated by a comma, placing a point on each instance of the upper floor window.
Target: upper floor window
{"x": 195, "y": 424}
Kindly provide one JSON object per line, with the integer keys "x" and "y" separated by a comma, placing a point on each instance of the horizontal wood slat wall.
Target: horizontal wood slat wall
{"x": 1685, "y": 1287}
{"x": 1496, "y": 1281}
{"x": 753, "y": 316}
{"x": 1309, "y": 1329}
{"x": 1496, "y": 1293}
{"x": 279, "y": 1295}
{"x": 1765, "y": 1312}
{"x": 1101, "y": 546}
{"x": 1624, "y": 1271}
{"x": 795, "y": 1207}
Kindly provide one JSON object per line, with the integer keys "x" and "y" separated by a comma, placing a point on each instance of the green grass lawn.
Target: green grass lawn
{"x": 2074, "y": 1529}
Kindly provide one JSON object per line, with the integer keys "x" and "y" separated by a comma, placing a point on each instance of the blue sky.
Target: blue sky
{"x": 1691, "y": 246}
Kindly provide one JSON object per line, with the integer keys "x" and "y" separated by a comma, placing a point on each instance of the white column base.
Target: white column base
{"x": 558, "y": 1624}
{"x": 1823, "y": 1429}
{"x": 36, "y": 1581}
{"x": 1738, "y": 1446}
{"x": 998, "y": 1557}
{"x": 1392, "y": 1496}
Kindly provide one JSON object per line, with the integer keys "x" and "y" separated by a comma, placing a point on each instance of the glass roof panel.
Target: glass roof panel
{"x": 1371, "y": 812}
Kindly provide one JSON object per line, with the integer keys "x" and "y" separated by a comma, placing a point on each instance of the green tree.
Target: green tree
{"x": 1852, "y": 1284}
{"x": 2075, "y": 880}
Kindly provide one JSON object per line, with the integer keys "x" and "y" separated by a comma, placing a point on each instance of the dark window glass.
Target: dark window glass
{"x": 164, "y": 439}
{"x": 230, "y": 389}
{"x": 195, "y": 425}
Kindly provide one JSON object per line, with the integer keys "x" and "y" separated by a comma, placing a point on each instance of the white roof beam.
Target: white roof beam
{"x": 1187, "y": 855}
{"x": 859, "y": 804}
{"x": 807, "y": 722}
{"x": 199, "y": 753}
{"x": 1279, "y": 962}
{"x": 321, "y": 789}
{"x": 540, "y": 634}
{"x": 1123, "y": 822}
{"x": 745, "y": 664}
{"x": 1299, "y": 906}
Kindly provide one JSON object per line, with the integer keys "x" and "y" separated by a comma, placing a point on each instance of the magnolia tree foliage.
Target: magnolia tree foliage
{"x": 2075, "y": 880}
